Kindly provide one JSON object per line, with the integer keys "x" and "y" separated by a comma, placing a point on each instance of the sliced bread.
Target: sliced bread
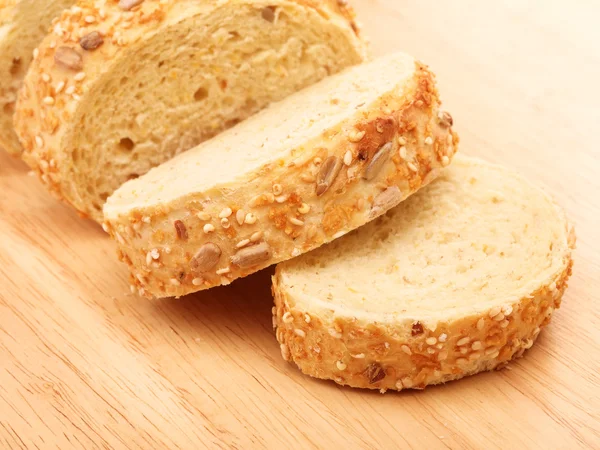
{"x": 458, "y": 279}
{"x": 121, "y": 86}
{"x": 23, "y": 24}
{"x": 303, "y": 172}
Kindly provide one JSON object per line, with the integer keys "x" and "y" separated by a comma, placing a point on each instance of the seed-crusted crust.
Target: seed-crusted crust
{"x": 54, "y": 87}
{"x": 22, "y": 26}
{"x": 295, "y": 204}
{"x": 398, "y": 356}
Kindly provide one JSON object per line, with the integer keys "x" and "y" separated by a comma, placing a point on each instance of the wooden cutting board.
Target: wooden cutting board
{"x": 85, "y": 364}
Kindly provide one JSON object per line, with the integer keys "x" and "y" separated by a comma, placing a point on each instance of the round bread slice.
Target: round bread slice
{"x": 303, "y": 172}
{"x": 122, "y": 86}
{"x": 458, "y": 279}
{"x": 23, "y": 24}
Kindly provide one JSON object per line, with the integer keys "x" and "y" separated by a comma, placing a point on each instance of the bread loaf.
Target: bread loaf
{"x": 122, "y": 86}
{"x": 301, "y": 173}
{"x": 458, "y": 279}
{"x": 23, "y": 24}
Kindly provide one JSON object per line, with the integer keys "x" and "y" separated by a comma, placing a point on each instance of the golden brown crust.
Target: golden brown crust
{"x": 409, "y": 355}
{"x": 296, "y": 204}
{"x": 48, "y": 103}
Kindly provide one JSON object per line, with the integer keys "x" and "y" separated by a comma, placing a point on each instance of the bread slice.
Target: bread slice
{"x": 458, "y": 279}
{"x": 122, "y": 86}
{"x": 23, "y": 24}
{"x": 301, "y": 173}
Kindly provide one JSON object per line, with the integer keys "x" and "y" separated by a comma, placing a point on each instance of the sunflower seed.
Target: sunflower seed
{"x": 328, "y": 173}
{"x": 68, "y": 58}
{"x": 252, "y": 256}
{"x": 386, "y": 200}
{"x": 206, "y": 258}
{"x": 91, "y": 41}
{"x": 378, "y": 161}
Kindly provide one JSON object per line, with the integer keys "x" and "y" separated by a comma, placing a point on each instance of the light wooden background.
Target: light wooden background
{"x": 83, "y": 364}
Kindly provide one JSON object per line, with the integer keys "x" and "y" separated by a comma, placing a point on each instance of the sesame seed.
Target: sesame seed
{"x": 412, "y": 167}
{"x": 90, "y": 19}
{"x": 431, "y": 340}
{"x": 431, "y": 350}
{"x": 386, "y": 344}
{"x": 476, "y": 345}
{"x": 304, "y": 208}
{"x": 480, "y": 324}
{"x": 300, "y": 332}
{"x": 175, "y": 282}
{"x": 45, "y": 78}
{"x": 243, "y": 243}
{"x": 208, "y": 228}
{"x": 403, "y": 153}
{"x": 226, "y": 212}
{"x": 76, "y": 97}
{"x": 445, "y": 160}
{"x": 250, "y": 219}
{"x": 277, "y": 189}
{"x": 401, "y": 140}
{"x": 287, "y": 317}
{"x": 36, "y": 53}
{"x": 464, "y": 350}
{"x": 406, "y": 349}
{"x": 504, "y": 323}
{"x": 340, "y": 365}
{"x": 240, "y": 216}
{"x": 442, "y": 337}
{"x": 463, "y": 341}
{"x": 474, "y": 356}
{"x": 225, "y": 223}
{"x": 355, "y": 135}
{"x": 281, "y": 199}
{"x": 79, "y": 76}
{"x": 359, "y": 356}
{"x": 49, "y": 100}
{"x": 296, "y": 221}
{"x": 105, "y": 227}
{"x": 256, "y": 236}
{"x": 499, "y": 317}
{"x": 223, "y": 271}
{"x": 348, "y": 158}
{"x": 442, "y": 356}
{"x": 494, "y": 311}
{"x": 59, "y": 87}
{"x": 428, "y": 140}
{"x": 507, "y": 310}
{"x": 132, "y": 288}
{"x": 39, "y": 141}
{"x": 203, "y": 216}
{"x": 197, "y": 281}
{"x": 307, "y": 318}
{"x": 70, "y": 90}
{"x": 146, "y": 219}
{"x": 296, "y": 252}
{"x": 317, "y": 161}
{"x": 461, "y": 361}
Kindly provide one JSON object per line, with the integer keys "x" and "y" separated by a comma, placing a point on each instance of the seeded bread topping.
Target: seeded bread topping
{"x": 23, "y": 25}
{"x": 458, "y": 279}
{"x": 120, "y": 87}
{"x": 280, "y": 187}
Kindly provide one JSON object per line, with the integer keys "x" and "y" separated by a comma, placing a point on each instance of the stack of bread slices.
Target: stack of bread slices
{"x": 214, "y": 139}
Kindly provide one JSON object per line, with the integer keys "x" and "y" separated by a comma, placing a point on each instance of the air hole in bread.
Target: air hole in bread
{"x": 126, "y": 144}
{"x": 234, "y": 36}
{"x": 104, "y": 196}
{"x": 9, "y": 108}
{"x": 161, "y": 63}
{"x": 200, "y": 94}
{"x": 132, "y": 176}
{"x": 15, "y": 67}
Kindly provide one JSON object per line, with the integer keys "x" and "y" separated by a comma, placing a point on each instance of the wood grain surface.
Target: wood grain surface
{"x": 85, "y": 364}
